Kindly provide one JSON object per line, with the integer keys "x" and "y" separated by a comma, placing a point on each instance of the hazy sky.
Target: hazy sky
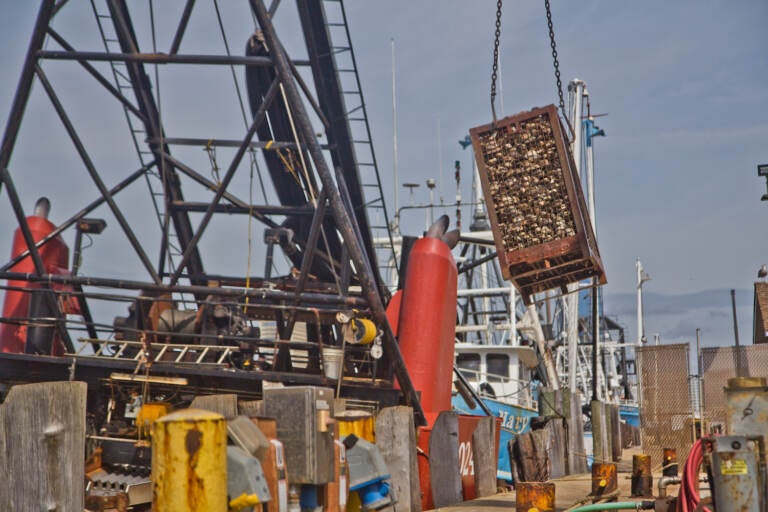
{"x": 684, "y": 84}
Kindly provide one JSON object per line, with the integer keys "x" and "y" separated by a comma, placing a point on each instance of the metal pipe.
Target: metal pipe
{"x": 260, "y": 293}
{"x": 739, "y": 369}
{"x": 182, "y": 27}
{"x": 472, "y": 392}
{"x": 156, "y": 58}
{"x": 344, "y": 223}
{"x": 665, "y": 482}
{"x": 24, "y": 88}
{"x": 595, "y": 342}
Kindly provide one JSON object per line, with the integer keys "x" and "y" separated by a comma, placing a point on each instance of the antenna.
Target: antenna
{"x": 394, "y": 126}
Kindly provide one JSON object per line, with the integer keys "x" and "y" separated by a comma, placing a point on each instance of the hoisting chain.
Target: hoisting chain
{"x": 556, "y": 63}
{"x": 495, "y": 60}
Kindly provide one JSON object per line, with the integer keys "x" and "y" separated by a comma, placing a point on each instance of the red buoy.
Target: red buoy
{"x": 427, "y": 322}
{"x": 55, "y": 256}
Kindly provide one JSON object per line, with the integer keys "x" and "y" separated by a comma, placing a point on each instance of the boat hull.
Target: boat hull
{"x": 515, "y": 420}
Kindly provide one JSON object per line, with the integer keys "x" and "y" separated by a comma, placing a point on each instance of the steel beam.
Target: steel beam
{"x": 95, "y": 175}
{"x": 125, "y": 284}
{"x": 344, "y": 225}
{"x": 24, "y": 88}
{"x": 182, "y": 27}
{"x": 222, "y": 188}
{"x": 79, "y": 215}
{"x": 153, "y": 128}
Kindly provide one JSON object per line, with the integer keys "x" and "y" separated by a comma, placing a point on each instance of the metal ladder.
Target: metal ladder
{"x": 217, "y": 355}
{"x": 138, "y": 134}
{"x": 357, "y": 117}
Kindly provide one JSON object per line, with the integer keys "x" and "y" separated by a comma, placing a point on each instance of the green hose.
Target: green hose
{"x": 618, "y": 505}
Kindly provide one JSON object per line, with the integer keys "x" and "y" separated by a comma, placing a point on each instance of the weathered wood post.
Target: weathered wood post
{"x": 42, "y": 447}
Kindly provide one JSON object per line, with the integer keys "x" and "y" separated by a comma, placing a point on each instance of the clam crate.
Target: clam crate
{"x": 543, "y": 235}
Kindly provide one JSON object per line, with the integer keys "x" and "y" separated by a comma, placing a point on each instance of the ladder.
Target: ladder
{"x": 152, "y": 177}
{"x": 191, "y": 354}
{"x": 356, "y": 115}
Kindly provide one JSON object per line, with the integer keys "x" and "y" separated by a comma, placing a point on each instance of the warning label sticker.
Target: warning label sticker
{"x": 734, "y": 467}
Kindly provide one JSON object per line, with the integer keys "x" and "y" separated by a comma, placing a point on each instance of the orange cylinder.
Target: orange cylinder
{"x": 55, "y": 256}
{"x": 427, "y": 322}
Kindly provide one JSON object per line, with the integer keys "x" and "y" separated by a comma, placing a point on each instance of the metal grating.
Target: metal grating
{"x": 665, "y": 406}
{"x": 535, "y": 203}
{"x": 718, "y": 365}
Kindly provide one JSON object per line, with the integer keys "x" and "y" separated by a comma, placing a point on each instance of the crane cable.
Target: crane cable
{"x": 556, "y": 64}
{"x": 496, "y": 60}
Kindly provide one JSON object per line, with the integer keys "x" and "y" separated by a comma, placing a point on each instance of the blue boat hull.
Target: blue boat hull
{"x": 515, "y": 420}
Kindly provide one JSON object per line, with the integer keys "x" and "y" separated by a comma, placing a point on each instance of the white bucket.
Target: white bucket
{"x": 333, "y": 358}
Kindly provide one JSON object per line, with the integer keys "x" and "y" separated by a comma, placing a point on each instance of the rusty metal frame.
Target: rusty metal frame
{"x": 558, "y": 262}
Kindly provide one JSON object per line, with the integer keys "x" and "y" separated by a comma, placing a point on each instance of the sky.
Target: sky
{"x": 682, "y": 84}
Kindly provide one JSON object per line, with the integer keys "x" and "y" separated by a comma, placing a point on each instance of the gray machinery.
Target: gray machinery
{"x": 737, "y": 461}
{"x": 303, "y": 415}
{"x": 368, "y": 474}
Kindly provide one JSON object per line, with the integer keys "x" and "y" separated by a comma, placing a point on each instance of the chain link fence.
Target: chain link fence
{"x": 666, "y": 411}
{"x": 720, "y": 364}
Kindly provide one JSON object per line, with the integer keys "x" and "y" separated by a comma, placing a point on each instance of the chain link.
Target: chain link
{"x": 556, "y": 64}
{"x": 495, "y": 60}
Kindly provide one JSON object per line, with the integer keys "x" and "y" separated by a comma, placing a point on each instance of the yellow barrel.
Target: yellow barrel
{"x": 360, "y": 423}
{"x": 189, "y": 462}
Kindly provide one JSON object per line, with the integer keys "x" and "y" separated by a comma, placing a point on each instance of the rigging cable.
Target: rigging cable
{"x": 556, "y": 64}
{"x": 496, "y": 61}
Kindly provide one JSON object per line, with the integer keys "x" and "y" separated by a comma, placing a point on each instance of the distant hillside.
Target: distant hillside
{"x": 676, "y": 317}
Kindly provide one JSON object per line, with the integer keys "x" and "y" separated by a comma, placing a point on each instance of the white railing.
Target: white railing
{"x": 505, "y": 389}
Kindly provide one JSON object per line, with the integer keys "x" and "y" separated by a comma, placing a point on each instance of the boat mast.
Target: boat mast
{"x": 576, "y": 93}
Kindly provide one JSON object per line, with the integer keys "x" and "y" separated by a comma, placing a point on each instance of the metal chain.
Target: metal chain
{"x": 556, "y": 64}
{"x": 495, "y": 60}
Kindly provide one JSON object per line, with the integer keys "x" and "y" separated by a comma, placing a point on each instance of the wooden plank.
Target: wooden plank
{"x": 577, "y": 458}
{"x": 42, "y": 441}
{"x": 557, "y": 453}
{"x": 484, "y": 456}
{"x": 551, "y": 403}
{"x": 396, "y": 438}
{"x": 251, "y": 408}
{"x": 615, "y": 432}
{"x": 224, "y": 404}
{"x": 444, "y": 460}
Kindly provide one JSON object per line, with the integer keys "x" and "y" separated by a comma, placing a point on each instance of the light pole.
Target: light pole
{"x": 642, "y": 277}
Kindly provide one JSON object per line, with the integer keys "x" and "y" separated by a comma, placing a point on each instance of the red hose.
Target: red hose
{"x": 688, "y": 498}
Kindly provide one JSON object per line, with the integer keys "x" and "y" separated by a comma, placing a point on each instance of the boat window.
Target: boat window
{"x": 469, "y": 365}
{"x": 498, "y": 367}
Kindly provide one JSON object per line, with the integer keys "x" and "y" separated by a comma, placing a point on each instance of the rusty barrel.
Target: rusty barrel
{"x": 189, "y": 462}
{"x": 642, "y": 478}
{"x": 604, "y": 478}
{"x": 670, "y": 467}
{"x": 535, "y": 497}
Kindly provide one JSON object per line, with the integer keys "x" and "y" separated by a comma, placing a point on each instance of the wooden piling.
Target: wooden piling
{"x": 539, "y": 496}
{"x": 42, "y": 442}
{"x": 396, "y": 438}
{"x": 642, "y": 478}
